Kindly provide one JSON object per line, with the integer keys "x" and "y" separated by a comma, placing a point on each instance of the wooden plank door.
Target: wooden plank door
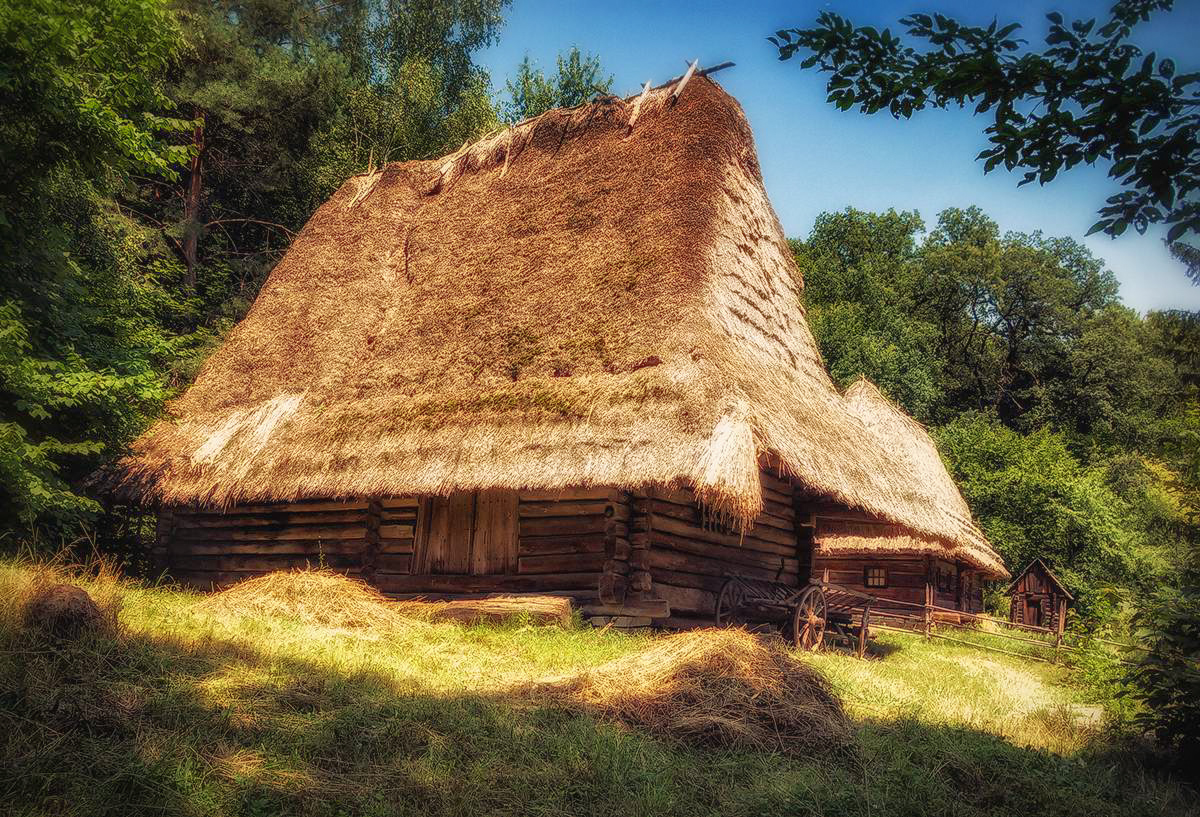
{"x": 494, "y": 543}
{"x": 469, "y": 533}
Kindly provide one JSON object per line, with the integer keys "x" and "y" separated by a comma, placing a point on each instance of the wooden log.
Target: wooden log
{"x": 291, "y": 547}
{"x": 400, "y": 502}
{"x": 545, "y": 545}
{"x": 684, "y": 81}
{"x": 255, "y": 535}
{"x": 639, "y": 558}
{"x": 275, "y": 520}
{"x": 563, "y": 525}
{"x": 557, "y": 494}
{"x": 776, "y": 484}
{"x": 785, "y": 547}
{"x": 686, "y": 599}
{"x": 641, "y": 581}
{"x": 302, "y": 506}
{"x": 691, "y": 563}
{"x": 637, "y": 107}
{"x": 533, "y": 583}
{"x": 370, "y": 551}
{"x": 712, "y": 584}
{"x": 263, "y": 564}
{"x": 612, "y": 588}
{"x": 561, "y": 563}
{"x": 393, "y": 563}
{"x": 726, "y": 553}
{"x": 616, "y": 566}
{"x": 651, "y": 608}
{"x": 564, "y": 508}
{"x": 396, "y": 546}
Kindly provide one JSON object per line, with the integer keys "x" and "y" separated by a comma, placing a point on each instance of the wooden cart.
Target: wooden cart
{"x": 807, "y": 614}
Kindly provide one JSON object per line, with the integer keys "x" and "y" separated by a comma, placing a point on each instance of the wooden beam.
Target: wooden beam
{"x": 684, "y": 81}
{"x": 637, "y": 107}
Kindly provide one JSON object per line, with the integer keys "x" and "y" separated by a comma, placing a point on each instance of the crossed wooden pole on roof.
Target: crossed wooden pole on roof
{"x": 679, "y": 82}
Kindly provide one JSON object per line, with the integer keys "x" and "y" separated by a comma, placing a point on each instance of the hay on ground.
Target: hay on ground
{"x": 66, "y": 611}
{"x": 322, "y": 598}
{"x": 714, "y": 688}
{"x": 535, "y": 609}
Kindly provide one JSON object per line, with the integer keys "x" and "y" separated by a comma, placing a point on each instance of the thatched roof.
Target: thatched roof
{"x": 910, "y": 443}
{"x": 568, "y": 302}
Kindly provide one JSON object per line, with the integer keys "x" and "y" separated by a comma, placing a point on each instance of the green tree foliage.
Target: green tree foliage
{"x": 1091, "y": 96}
{"x": 85, "y": 318}
{"x": 579, "y": 78}
{"x": 967, "y": 319}
{"x": 1034, "y": 498}
{"x": 861, "y": 271}
{"x": 155, "y": 161}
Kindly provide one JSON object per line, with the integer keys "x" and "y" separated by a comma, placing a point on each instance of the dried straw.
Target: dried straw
{"x": 320, "y": 598}
{"x": 715, "y": 687}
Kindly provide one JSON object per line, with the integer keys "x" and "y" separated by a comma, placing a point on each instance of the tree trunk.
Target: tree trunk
{"x": 191, "y": 203}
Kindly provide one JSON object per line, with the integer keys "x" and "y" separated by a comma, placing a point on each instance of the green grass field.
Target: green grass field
{"x": 187, "y": 711}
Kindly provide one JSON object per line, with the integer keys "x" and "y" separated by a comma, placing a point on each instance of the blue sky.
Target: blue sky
{"x": 815, "y": 158}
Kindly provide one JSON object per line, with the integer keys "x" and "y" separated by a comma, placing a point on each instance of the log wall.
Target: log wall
{"x": 573, "y": 542}
{"x": 906, "y": 575}
{"x": 690, "y": 555}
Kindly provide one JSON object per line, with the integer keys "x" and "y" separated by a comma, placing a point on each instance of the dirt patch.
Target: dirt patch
{"x": 713, "y": 688}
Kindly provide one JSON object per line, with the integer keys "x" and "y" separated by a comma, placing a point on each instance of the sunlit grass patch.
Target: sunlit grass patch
{"x": 191, "y": 709}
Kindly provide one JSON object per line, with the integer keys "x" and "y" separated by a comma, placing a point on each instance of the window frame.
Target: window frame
{"x": 882, "y": 576}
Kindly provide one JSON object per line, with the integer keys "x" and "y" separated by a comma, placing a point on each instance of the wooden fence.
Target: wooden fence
{"x": 928, "y": 618}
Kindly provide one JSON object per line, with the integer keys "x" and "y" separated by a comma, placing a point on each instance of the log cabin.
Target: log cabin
{"x": 898, "y": 565}
{"x": 1038, "y": 598}
{"x": 569, "y": 358}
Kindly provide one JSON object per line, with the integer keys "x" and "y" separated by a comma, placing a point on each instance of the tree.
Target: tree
{"x": 1008, "y": 310}
{"x": 860, "y": 271}
{"x": 1034, "y": 498}
{"x": 273, "y": 85}
{"x": 1091, "y": 96}
{"x": 579, "y": 78}
{"x": 85, "y": 306}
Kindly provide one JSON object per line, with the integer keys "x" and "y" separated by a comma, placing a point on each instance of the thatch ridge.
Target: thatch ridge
{"x": 567, "y": 302}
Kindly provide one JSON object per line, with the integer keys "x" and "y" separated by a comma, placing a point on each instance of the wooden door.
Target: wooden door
{"x": 1033, "y": 612}
{"x": 469, "y": 533}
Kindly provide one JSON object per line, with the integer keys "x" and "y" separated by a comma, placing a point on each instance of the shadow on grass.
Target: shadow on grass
{"x": 142, "y": 725}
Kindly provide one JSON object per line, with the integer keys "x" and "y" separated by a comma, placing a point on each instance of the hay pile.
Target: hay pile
{"x": 321, "y": 598}
{"x": 715, "y": 687}
{"x": 497, "y": 608}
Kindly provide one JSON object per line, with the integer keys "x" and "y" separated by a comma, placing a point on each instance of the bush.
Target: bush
{"x": 1168, "y": 678}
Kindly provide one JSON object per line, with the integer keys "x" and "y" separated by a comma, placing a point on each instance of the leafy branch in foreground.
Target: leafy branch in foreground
{"x": 1091, "y": 96}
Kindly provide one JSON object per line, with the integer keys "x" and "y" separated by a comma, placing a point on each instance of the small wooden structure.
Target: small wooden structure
{"x": 899, "y": 566}
{"x": 1038, "y": 598}
{"x": 570, "y": 359}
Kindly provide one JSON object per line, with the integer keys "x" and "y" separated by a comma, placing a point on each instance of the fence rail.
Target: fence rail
{"x": 923, "y": 618}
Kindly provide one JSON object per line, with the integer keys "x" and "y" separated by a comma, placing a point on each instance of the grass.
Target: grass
{"x": 190, "y": 711}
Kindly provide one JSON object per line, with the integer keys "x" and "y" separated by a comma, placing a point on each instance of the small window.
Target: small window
{"x": 875, "y": 576}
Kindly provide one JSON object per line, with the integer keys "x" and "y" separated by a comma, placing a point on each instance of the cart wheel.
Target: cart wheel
{"x": 728, "y": 601}
{"x": 808, "y": 619}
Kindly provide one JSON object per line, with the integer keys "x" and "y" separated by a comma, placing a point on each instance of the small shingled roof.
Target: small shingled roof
{"x": 1049, "y": 574}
